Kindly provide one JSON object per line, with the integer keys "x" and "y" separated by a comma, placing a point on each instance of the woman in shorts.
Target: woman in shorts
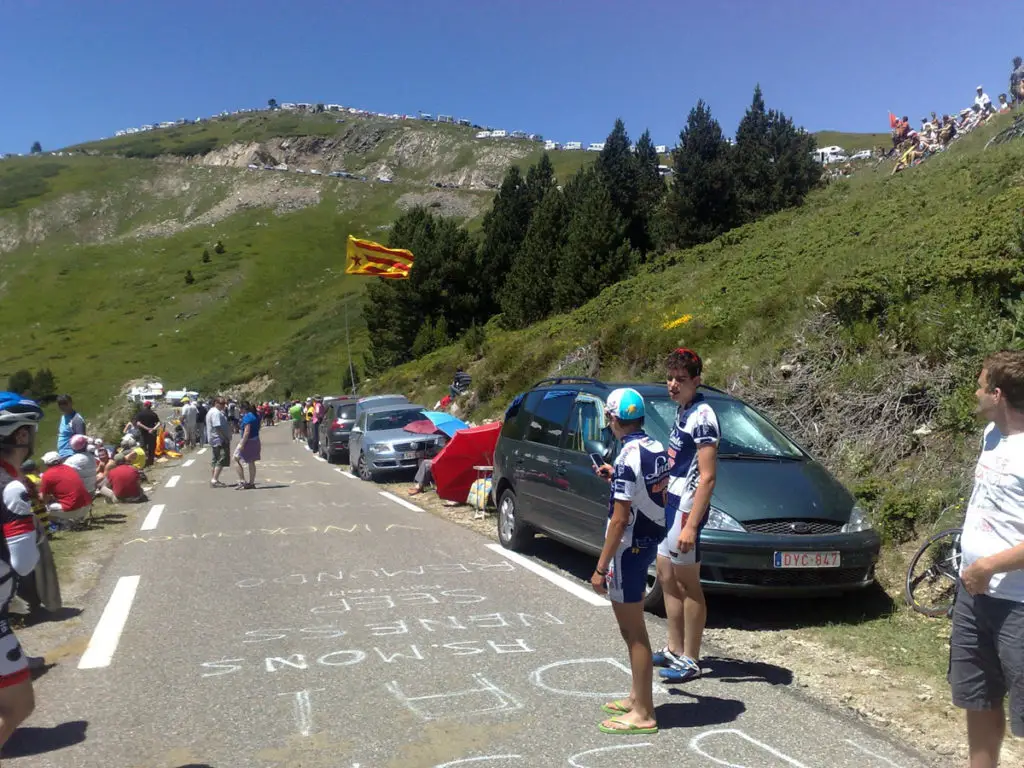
{"x": 248, "y": 450}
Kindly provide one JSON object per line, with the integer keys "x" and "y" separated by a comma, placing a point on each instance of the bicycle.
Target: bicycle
{"x": 934, "y": 574}
{"x": 1015, "y": 131}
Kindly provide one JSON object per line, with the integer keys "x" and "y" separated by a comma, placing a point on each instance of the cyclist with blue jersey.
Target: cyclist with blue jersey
{"x": 19, "y": 553}
{"x": 636, "y": 525}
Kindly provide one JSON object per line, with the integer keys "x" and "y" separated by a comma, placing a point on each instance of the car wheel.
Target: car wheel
{"x": 512, "y": 532}
{"x": 654, "y": 601}
{"x": 363, "y": 470}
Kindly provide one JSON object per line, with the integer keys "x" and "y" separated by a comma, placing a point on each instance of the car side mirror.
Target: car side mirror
{"x": 595, "y": 446}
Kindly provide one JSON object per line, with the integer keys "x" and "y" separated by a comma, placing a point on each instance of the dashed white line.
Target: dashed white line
{"x": 401, "y": 501}
{"x": 570, "y": 586}
{"x": 172, "y": 481}
{"x": 153, "y": 517}
{"x": 200, "y": 452}
{"x": 189, "y": 463}
{"x": 104, "y": 640}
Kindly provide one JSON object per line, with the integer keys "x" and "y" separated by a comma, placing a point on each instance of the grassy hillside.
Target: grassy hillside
{"x": 852, "y": 142}
{"x": 881, "y": 293}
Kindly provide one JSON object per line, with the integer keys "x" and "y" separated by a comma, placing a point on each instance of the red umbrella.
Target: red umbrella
{"x": 421, "y": 427}
{"x": 453, "y": 469}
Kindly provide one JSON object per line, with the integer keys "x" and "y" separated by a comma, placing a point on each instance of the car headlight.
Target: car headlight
{"x": 719, "y": 521}
{"x": 860, "y": 520}
{"x": 379, "y": 448}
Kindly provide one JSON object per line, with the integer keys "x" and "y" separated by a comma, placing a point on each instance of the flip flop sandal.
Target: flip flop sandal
{"x": 629, "y": 730}
{"x": 618, "y": 707}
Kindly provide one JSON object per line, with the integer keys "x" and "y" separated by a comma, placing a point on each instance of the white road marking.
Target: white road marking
{"x": 153, "y": 517}
{"x": 346, "y": 473}
{"x": 172, "y": 481}
{"x": 696, "y": 740}
{"x": 403, "y": 502}
{"x": 570, "y": 586}
{"x": 105, "y": 637}
{"x": 189, "y": 463}
{"x": 200, "y": 452}
{"x": 602, "y": 750}
{"x": 867, "y": 751}
{"x": 318, "y": 457}
{"x": 303, "y": 710}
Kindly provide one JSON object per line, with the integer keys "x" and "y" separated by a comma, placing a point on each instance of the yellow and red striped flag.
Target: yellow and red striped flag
{"x": 365, "y": 257}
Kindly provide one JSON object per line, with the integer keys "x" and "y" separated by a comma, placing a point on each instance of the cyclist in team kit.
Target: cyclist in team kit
{"x": 693, "y": 455}
{"x": 19, "y": 553}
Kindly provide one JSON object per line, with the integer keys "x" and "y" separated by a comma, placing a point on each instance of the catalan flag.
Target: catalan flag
{"x": 365, "y": 257}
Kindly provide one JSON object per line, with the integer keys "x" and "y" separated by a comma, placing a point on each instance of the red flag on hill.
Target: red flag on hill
{"x": 893, "y": 121}
{"x": 365, "y": 257}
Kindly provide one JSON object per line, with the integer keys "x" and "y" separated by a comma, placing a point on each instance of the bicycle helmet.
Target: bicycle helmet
{"x": 17, "y": 411}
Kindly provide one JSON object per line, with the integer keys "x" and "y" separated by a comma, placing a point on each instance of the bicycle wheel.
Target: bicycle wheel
{"x": 934, "y": 573}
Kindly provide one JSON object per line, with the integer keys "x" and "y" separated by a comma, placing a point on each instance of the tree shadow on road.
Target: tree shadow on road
{"x": 269, "y": 487}
{"x": 36, "y": 740}
{"x": 702, "y": 711}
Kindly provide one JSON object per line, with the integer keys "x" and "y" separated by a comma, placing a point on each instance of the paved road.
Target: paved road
{"x": 316, "y": 622}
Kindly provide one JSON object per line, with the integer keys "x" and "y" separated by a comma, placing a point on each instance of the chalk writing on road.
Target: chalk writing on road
{"x": 484, "y": 698}
{"x": 351, "y": 656}
{"x": 407, "y": 626}
{"x": 438, "y": 569}
{"x": 389, "y": 601}
{"x": 303, "y": 708}
{"x": 292, "y": 530}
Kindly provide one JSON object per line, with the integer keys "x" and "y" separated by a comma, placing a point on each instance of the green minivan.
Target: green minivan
{"x": 780, "y": 524}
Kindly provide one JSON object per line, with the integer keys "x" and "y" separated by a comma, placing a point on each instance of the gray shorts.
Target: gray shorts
{"x": 986, "y": 655}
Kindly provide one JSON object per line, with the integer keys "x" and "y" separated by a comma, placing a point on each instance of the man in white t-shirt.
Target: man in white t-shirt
{"x": 189, "y": 415}
{"x": 986, "y": 653}
{"x": 983, "y": 102}
{"x": 220, "y": 440}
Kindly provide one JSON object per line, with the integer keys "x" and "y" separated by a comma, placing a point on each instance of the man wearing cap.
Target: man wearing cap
{"x": 83, "y": 462}
{"x": 148, "y": 422}
{"x": 63, "y": 491}
{"x": 189, "y": 417}
{"x": 983, "y": 102}
{"x": 219, "y": 434}
{"x": 71, "y": 424}
{"x": 636, "y": 525}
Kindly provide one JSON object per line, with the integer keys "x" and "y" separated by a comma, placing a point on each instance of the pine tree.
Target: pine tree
{"x": 755, "y": 169}
{"x": 701, "y": 202}
{"x": 596, "y": 251}
{"x": 650, "y": 191}
{"x": 20, "y": 382}
{"x": 527, "y": 296}
{"x": 442, "y": 285}
{"x": 616, "y": 167}
{"x": 504, "y": 228}
{"x": 44, "y": 385}
{"x": 796, "y": 170}
{"x": 539, "y": 179}
{"x": 36, "y": 149}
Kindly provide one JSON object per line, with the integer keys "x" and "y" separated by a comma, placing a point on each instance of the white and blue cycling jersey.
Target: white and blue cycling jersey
{"x": 696, "y": 425}
{"x": 639, "y": 477}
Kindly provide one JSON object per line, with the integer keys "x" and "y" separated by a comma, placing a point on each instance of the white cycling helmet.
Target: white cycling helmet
{"x": 16, "y": 412}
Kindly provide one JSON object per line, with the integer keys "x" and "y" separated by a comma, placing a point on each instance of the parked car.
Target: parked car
{"x": 379, "y": 445}
{"x": 864, "y": 154}
{"x": 779, "y": 523}
{"x": 341, "y": 415}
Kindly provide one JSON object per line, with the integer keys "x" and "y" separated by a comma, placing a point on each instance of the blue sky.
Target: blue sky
{"x": 80, "y": 69}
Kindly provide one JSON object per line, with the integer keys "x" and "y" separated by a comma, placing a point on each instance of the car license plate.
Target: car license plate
{"x": 806, "y": 559}
{"x": 411, "y": 455}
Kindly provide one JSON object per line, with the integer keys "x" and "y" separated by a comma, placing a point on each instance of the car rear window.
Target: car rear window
{"x": 346, "y": 411}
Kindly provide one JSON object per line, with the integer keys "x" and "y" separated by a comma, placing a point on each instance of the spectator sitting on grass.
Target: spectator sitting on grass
{"x": 460, "y": 382}
{"x": 122, "y": 483}
{"x": 63, "y": 491}
{"x": 83, "y": 462}
{"x": 1003, "y": 104}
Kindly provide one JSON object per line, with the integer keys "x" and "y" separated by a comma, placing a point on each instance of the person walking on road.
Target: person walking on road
{"x": 219, "y": 435}
{"x": 19, "y": 420}
{"x": 295, "y": 414}
{"x": 248, "y": 450}
{"x": 636, "y": 525}
{"x": 148, "y": 423}
{"x": 201, "y": 411}
{"x": 986, "y": 650}
{"x": 189, "y": 417}
{"x": 71, "y": 424}
{"x": 693, "y": 454}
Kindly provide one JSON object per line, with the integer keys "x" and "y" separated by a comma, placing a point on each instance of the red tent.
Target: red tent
{"x": 453, "y": 467}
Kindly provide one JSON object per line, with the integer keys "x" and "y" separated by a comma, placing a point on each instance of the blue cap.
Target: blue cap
{"x": 625, "y": 404}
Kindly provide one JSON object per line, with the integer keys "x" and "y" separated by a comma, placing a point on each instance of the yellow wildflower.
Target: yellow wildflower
{"x": 681, "y": 320}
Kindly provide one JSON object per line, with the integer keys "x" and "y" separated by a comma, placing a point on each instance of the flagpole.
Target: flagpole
{"x": 348, "y": 346}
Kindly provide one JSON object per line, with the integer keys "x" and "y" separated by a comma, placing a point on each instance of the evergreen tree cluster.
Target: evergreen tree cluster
{"x": 545, "y": 248}
{"x": 42, "y": 385}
